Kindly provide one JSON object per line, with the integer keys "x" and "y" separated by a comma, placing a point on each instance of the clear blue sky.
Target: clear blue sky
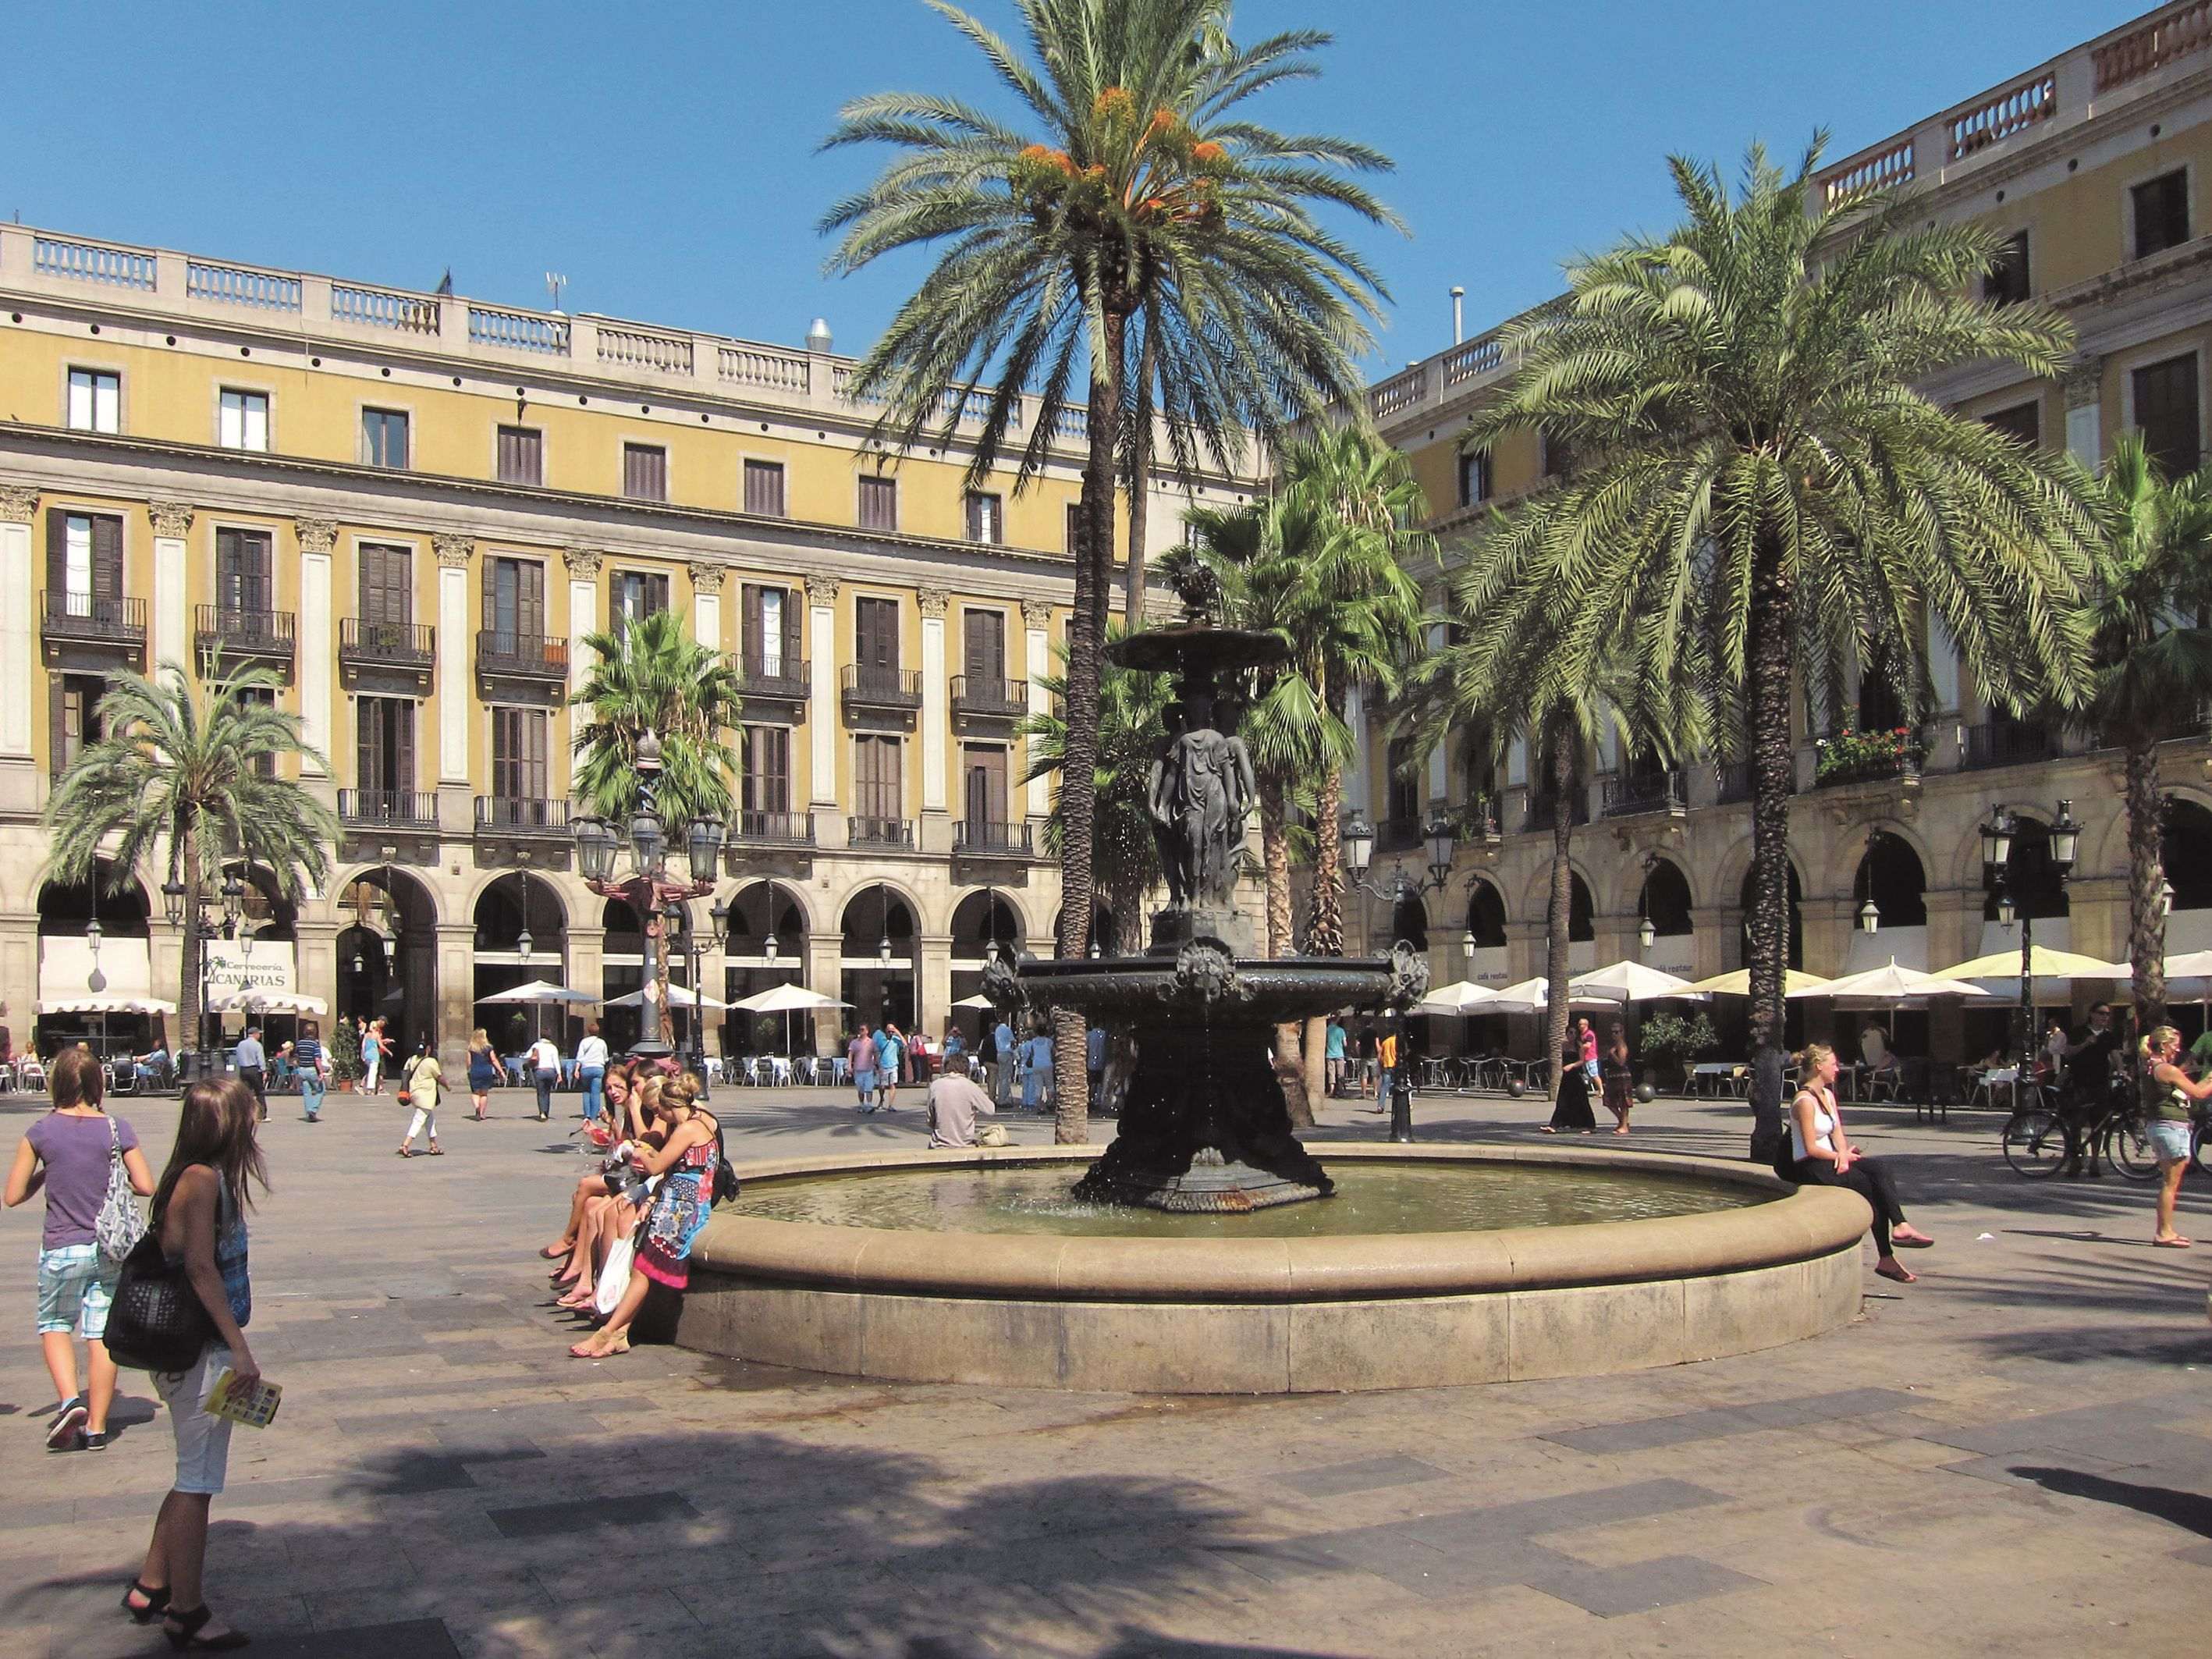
{"x": 663, "y": 155}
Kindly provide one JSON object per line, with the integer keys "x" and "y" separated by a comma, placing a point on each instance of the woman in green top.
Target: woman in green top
{"x": 2167, "y": 1092}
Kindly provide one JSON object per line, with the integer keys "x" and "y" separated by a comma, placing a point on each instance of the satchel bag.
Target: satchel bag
{"x": 119, "y": 1226}
{"x": 157, "y": 1321}
{"x": 724, "y": 1189}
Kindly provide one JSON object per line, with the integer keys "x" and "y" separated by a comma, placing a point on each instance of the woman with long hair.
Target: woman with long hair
{"x": 483, "y": 1071}
{"x": 614, "y": 1216}
{"x": 1619, "y": 1080}
{"x": 2167, "y": 1094}
{"x": 421, "y": 1080}
{"x": 686, "y": 1162}
{"x": 1571, "y": 1111}
{"x": 200, "y": 1216}
{"x": 1822, "y": 1152}
{"x": 70, "y": 1152}
{"x": 626, "y": 1122}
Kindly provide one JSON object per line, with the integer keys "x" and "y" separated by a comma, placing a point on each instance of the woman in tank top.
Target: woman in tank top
{"x": 1822, "y": 1153}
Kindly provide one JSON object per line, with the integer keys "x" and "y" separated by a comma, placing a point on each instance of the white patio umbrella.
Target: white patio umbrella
{"x": 979, "y": 1000}
{"x": 788, "y": 1000}
{"x": 1892, "y": 985}
{"x": 1459, "y": 997}
{"x": 1630, "y": 981}
{"x": 678, "y": 997}
{"x": 1795, "y": 983}
{"x": 540, "y": 992}
{"x": 2189, "y": 964}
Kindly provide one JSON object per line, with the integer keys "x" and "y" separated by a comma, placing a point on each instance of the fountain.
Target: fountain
{"x": 1195, "y": 1252}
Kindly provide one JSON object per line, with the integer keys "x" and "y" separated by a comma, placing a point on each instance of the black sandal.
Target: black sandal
{"x": 186, "y": 1635}
{"x": 156, "y": 1599}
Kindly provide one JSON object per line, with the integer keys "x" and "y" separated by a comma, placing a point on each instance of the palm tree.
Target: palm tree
{"x": 193, "y": 779}
{"x": 1138, "y": 186}
{"x": 649, "y": 675}
{"x": 1753, "y": 467}
{"x": 2150, "y": 569}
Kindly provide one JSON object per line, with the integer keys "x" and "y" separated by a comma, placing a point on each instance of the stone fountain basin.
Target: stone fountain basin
{"x": 1276, "y": 1316}
{"x": 1122, "y": 988}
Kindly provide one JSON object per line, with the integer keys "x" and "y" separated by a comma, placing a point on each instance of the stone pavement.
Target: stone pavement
{"x": 2014, "y": 1455}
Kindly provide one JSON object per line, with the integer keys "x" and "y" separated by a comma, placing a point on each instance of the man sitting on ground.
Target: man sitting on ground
{"x": 954, "y": 1101}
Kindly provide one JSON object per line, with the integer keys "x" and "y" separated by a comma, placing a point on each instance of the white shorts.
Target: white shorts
{"x": 203, "y": 1442}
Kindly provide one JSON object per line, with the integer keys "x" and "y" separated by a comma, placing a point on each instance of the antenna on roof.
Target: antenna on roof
{"x": 446, "y": 282}
{"x": 555, "y": 282}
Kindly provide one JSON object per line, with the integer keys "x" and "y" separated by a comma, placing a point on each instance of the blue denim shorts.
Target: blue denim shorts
{"x": 2169, "y": 1140}
{"x": 75, "y": 1284}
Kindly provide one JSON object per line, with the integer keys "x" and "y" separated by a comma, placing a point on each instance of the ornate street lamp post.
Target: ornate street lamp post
{"x": 2000, "y": 839}
{"x": 1442, "y": 838}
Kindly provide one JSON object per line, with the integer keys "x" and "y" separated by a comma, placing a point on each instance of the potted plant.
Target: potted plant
{"x": 1853, "y": 755}
{"x": 345, "y": 1056}
{"x": 1677, "y": 1041}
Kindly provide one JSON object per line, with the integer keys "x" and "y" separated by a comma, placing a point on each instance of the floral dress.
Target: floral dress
{"x": 680, "y": 1209}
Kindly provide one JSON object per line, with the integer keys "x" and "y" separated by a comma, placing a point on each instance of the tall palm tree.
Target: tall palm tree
{"x": 192, "y": 778}
{"x": 1754, "y": 466}
{"x": 1138, "y": 185}
{"x": 649, "y": 675}
{"x": 2151, "y": 663}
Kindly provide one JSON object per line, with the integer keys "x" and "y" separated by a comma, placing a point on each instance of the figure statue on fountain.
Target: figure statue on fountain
{"x": 1203, "y": 788}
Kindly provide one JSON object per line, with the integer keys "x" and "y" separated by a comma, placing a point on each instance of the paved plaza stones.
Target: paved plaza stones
{"x": 2014, "y": 1455}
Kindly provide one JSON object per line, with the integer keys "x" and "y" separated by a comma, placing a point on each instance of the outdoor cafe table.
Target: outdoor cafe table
{"x": 1726, "y": 1074}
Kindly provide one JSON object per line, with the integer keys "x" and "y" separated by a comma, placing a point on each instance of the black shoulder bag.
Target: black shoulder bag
{"x": 157, "y": 1321}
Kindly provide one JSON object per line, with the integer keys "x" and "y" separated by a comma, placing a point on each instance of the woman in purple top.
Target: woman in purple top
{"x": 68, "y": 1153}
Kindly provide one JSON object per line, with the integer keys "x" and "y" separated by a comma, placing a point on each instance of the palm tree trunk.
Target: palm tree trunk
{"x": 1275, "y": 856}
{"x": 1078, "y": 777}
{"x": 2145, "y": 878}
{"x": 1773, "y": 766}
{"x": 1140, "y": 476}
{"x": 1557, "y": 921}
{"x": 190, "y": 1014}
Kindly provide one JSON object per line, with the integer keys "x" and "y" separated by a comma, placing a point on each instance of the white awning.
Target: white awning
{"x": 65, "y": 964}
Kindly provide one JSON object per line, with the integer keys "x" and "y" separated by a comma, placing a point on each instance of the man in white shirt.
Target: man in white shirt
{"x": 545, "y": 1064}
{"x": 955, "y": 1103}
{"x": 592, "y": 1068}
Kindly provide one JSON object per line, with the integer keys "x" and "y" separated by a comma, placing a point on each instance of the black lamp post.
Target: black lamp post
{"x": 2000, "y": 839}
{"x": 1442, "y": 838}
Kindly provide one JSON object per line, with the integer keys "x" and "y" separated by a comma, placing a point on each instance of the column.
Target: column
{"x": 936, "y": 719}
{"x": 934, "y": 994}
{"x": 19, "y": 690}
{"x": 1037, "y": 619}
{"x": 317, "y": 650}
{"x": 587, "y": 963}
{"x": 707, "y": 604}
{"x": 1439, "y": 757}
{"x": 2085, "y": 392}
{"x": 583, "y": 611}
{"x": 822, "y": 699}
{"x": 168, "y": 633}
{"x": 457, "y": 995}
{"x": 315, "y": 964}
{"x": 825, "y": 973}
{"x": 453, "y": 686}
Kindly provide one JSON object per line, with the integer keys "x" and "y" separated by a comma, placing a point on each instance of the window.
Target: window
{"x": 384, "y": 437}
{"x": 766, "y": 786}
{"x": 84, "y": 564}
{"x": 645, "y": 472}
{"x": 1404, "y": 788}
{"x": 876, "y": 640}
{"x": 76, "y": 720}
{"x": 984, "y": 658}
{"x": 2023, "y": 421}
{"x": 877, "y": 790}
{"x": 2161, "y": 212}
{"x": 1074, "y": 527}
{"x": 514, "y": 602}
{"x": 985, "y": 518}
{"x": 983, "y": 774}
{"x": 95, "y": 401}
{"x": 636, "y": 594}
{"x": 261, "y": 697}
{"x": 518, "y": 754}
{"x": 2005, "y": 282}
{"x": 878, "y": 503}
{"x": 1474, "y": 477}
{"x": 387, "y": 598}
{"x": 1559, "y": 456}
{"x": 242, "y": 421}
{"x": 2165, "y": 413}
{"x": 384, "y": 745}
{"x": 764, "y": 488}
{"x": 245, "y": 583}
{"x": 522, "y": 455}
{"x": 769, "y": 643}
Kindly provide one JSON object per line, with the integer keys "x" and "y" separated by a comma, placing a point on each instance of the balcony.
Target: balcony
{"x": 898, "y": 689}
{"x": 259, "y": 636}
{"x": 2008, "y": 742}
{"x": 975, "y": 697}
{"x": 81, "y": 621}
{"x": 412, "y": 647}
{"x": 1399, "y": 835}
{"x": 519, "y": 817}
{"x": 1634, "y": 796}
{"x": 974, "y": 839}
{"x": 894, "y": 835}
{"x": 774, "y": 679}
{"x": 753, "y": 828}
{"x": 387, "y": 809}
{"x": 536, "y": 657}
{"x": 1544, "y": 810}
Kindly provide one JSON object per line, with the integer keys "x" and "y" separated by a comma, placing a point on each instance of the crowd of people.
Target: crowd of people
{"x": 881, "y": 1058}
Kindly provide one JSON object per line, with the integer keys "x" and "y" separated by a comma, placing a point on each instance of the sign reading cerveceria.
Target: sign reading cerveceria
{"x": 262, "y": 966}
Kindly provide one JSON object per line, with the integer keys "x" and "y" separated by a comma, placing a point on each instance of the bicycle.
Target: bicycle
{"x": 2127, "y": 1141}
{"x": 2041, "y": 1137}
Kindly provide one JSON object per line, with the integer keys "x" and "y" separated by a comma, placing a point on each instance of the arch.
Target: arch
{"x": 1796, "y": 953}
{"x": 2187, "y": 847}
{"x": 879, "y": 991}
{"x": 515, "y": 902}
{"x": 985, "y": 917}
{"x": 762, "y": 912}
{"x": 70, "y": 967}
{"x": 1101, "y": 919}
{"x": 387, "y": 949}
{"x": 1409, "y": 921}
{"x": 1486, "y": 913}
{"x": 2031, "y": 883}
{"x": 1581, "y": 912}
{"x": 1664, "y": 898}
{"x": 65, "y": 906}
{"x": 1891, "y": 875}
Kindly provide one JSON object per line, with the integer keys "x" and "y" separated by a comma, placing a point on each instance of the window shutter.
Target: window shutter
{"x": 403, "y": 745}
{"x": 57, "y": 551}
{"x": 792, "y": 599}
{"x": 530, "y": 599}
{"x": 750, "y": 641}
{"x": 107, "y": 559}
{"x": 367, "y": 749}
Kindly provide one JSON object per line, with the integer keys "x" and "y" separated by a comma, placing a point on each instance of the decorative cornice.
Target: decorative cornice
{"x": 935, "y": 602}
{"x": 822, "y": 590}
{"x": 316, "y": 535}
{"x": 1036, "y": 613}
{"x": 705, "y": 578}
{"x": 2084, "y": 380}
{"x": 171, "y": 519}
{"x": 19, "y": 503}
{"x": 453, "y": 551}
{"x": 583, "y": 563}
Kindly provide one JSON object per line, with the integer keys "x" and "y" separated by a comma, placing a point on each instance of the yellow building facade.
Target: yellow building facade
{"x": 414, "y": 507}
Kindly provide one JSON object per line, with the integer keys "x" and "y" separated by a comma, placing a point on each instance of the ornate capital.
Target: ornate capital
{"x": 316, "y": 535}
{"x": 707, "y": 577}
{"x": 1036, "y": 613}
{"x": 171, "y": 519}
{"x": 935, "y": 601}
{"x": 19, "y": 503}
{"x": 583, "y": 563}
{"x": 452, "y": 552}
{"x": 822, "y": 590}
{"x": 2084, "y": 379}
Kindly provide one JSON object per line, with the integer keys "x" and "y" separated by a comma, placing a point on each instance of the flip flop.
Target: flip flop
{"x": 1902, "y": 1276}
{"x": 1910, "y": 1244}
{"x": 2176, "y": 1243}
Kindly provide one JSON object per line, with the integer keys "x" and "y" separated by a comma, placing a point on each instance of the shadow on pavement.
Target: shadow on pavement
{"x": 2186, "y": 1510}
